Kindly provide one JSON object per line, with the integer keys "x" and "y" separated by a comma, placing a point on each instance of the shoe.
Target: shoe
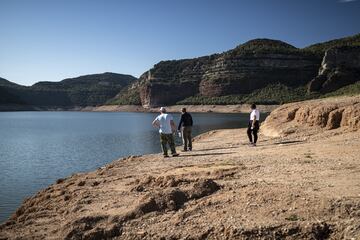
{"x": 184, "y": 150}
{"x": 190, "y": 149}
{"x": 175, "y": 154}
{"x": 166, "y": 156}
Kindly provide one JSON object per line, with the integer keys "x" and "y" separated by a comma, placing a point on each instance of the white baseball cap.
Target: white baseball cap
{"x": 162, "y": 109}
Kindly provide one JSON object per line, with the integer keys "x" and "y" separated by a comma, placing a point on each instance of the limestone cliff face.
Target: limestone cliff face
{"x": 340, "y": 67}
{"x": 171, "y": 81}
{"x": 243, "y": 74}
{"x": 248, "y": 67}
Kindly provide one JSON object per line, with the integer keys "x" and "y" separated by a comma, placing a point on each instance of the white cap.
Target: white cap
{"x": 162, "y": 109}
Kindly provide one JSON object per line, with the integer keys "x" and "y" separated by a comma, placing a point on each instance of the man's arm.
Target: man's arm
{"x": 156, "y": 123}
{"x": 253, "y": 121}
{"x": 181, "y": 121}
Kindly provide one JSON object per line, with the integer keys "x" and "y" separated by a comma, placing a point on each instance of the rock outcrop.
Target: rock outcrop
{"x": 248, "y": 67}
{"x": 311, "y": 116}
{"x": 171, "y": 81}
{"x": 340, "y": 67}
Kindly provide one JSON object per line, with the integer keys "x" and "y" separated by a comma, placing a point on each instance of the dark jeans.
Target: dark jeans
{"x": 253, "y": 131}
{"x": 167, "y": 139}
{"x": 186, "y": 136}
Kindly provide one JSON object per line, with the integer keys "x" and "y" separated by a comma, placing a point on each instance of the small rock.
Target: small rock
{"x": 141, "y": 233}
{"x": 95, "y": 183}
{"x": 139, "y": 188}
{"x": 66, "y": 197}
{"x": 81, "y": 183}
{"x": 60, "y": 180}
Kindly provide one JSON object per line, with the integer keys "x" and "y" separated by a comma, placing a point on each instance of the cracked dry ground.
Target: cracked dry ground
{"x": 298, "y": 187}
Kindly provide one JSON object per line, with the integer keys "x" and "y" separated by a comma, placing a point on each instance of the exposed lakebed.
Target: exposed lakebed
{"x": 36, "y": 148}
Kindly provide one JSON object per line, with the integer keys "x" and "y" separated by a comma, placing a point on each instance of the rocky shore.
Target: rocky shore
{"x": 302, "y": 181}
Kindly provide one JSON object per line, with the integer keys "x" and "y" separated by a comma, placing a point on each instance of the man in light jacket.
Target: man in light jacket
{"x": 166, "y": 125}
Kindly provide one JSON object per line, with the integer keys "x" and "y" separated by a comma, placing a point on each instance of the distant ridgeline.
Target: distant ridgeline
{"x": 89, "y": 90}
{"x": 262, "y": 71}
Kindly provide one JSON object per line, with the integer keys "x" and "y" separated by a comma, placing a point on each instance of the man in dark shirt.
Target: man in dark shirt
{"x": 185, "y": 125}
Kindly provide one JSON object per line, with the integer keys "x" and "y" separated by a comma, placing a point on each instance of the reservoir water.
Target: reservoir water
{"x": 37, "y": 148}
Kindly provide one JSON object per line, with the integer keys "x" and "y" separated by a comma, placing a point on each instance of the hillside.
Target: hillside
{"x": 8, "y": 98}
{"x": 88, "y": 90}
{"x": 6, "y": 83}
{"x": 300, "y": 182}
{"x": 264, "y": 71}
{"x": 7, "y": 95}
{"x": 321, "y": 48}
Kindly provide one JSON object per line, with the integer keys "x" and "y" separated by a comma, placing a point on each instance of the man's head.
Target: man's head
{"x": 183, "y": 110}
{"x": 253, "y": 106}
{"x": 163, "y": 110}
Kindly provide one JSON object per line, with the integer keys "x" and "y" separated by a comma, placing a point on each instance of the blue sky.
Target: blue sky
{"x": 49, "y": 40}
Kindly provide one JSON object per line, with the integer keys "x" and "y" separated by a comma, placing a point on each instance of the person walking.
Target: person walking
{"x": 185, "y": 125}
{"x": 253, "y": 126}
{"x": 167, "y": 127}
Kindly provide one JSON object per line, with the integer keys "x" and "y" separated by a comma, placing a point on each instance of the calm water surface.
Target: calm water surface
{"x": 37, "y": 148}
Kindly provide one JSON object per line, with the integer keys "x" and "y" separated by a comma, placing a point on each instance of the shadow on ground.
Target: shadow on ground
{"x": 205, "y": 154}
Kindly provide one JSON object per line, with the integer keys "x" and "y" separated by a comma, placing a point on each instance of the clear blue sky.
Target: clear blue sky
{"x": 49, "y": 40}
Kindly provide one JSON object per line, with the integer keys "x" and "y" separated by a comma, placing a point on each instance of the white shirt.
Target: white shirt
{"x": 164, "y": 120}
{"x": 255, "y": 113}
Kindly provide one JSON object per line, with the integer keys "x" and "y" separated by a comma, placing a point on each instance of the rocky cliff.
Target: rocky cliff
{"x": 248, "y": 67}
{"x": 340, "y": 67}
{"x": 261, "y": 70}
{"x": 171, "y": 81}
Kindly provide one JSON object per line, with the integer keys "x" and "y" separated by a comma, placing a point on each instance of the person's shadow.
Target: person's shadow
{"x": 288, "y": 142}
{"x": 210, "y": 149}
{"x": 204, "y": 154}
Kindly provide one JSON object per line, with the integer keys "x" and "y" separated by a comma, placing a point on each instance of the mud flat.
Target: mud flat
{"x": 302, "y": 181}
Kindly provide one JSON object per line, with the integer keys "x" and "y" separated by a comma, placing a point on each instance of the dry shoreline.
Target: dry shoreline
{"x": 239, "y": 108}
{"x": 301, "y": 183}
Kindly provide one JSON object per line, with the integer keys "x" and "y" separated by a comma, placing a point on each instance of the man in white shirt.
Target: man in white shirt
{"x": 166, "y": 125}
{"x": 253, "y": 126}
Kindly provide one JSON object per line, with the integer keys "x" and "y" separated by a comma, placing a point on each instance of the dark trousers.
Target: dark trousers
{"x": 253, "y": 131}
{"x": 167, "y": 139}
{"x": 186, "y": 137}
